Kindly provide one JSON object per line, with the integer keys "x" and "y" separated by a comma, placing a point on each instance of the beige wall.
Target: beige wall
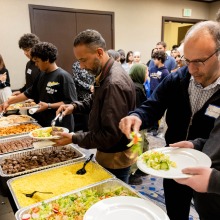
{"x": 137, "y": 24}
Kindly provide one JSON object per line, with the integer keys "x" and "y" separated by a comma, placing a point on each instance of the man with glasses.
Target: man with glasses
{"x": 191, "y": 97}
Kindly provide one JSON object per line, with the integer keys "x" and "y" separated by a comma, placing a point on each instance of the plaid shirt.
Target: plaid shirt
{"x": 198, "y": 95}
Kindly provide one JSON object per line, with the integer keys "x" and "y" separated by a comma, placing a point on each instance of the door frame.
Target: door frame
{"x": 178, "y": 20}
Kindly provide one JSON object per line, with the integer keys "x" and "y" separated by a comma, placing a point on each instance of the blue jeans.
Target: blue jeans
{"x": 122, "y": 174}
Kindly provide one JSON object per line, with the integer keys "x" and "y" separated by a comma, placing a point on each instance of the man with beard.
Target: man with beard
{"x": 113, "y": 97}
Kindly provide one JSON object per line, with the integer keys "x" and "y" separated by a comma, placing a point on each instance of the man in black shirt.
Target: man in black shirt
{"x": 26, "y": 42}
{"x": 52, "y": 87}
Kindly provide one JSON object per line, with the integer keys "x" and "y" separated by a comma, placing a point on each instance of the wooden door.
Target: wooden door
{"x": 100, "y": 22}
{"x": 182, "y": 32}
{"x": 60, "y": 25}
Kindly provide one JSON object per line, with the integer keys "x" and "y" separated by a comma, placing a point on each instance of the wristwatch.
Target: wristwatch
{"x": 49, "y": 105}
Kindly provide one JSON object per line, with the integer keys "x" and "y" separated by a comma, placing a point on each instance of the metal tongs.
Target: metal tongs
{"x": 60, "y": 116}
{"x": 1, "y": 114}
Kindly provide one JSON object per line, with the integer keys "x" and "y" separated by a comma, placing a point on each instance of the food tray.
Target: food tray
{"x": 31, "y": 120}
{"x": 43, "y": 150}
{"x": 15, "y": 138}
{"x": 11, "y": 112}
{"x": 14, "y": 135}
{"x": 4, "y": 177}
{"x": 107, "y": 185}
{"x": 80, "y": 181}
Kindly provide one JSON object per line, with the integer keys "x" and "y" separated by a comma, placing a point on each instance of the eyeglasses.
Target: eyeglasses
{"x": 198, "y": 63}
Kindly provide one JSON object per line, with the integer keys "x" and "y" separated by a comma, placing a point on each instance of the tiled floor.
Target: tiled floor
{"x": 6, "y": 212}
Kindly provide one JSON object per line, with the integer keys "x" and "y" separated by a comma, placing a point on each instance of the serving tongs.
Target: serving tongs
{"x": 59, "y": 116}
{"x": 1, "y": 114}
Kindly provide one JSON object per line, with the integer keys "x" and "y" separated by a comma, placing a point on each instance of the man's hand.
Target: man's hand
{"x": 200, "y": 179}
{"x": 42, "y": 106}
{"x": 129, "y": 124}
{"x": 66, "y": 109}
{"x": 91, "y": 88}
{"x": 4, "y": 106}
{"x": 3, "y": 77}
{"x": 66, "y": 138}
{"x": 182, "y": 144}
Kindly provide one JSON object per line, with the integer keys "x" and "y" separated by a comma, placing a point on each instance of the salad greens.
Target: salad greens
{"x": 136, "y": 142}
{"x": 42, "y": 132}
{"x": 158, "y": 160}
{"x": 73, "y": 207}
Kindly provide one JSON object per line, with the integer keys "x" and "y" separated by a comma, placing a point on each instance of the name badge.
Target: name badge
{"x": 29, "y": 71}
{"x": 213, "y": 111}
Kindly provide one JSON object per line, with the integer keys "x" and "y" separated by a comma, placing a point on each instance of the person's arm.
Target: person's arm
{"x": 16, "y": 99}
{"x": 44, "y": 106}
{"x": 154, "y": 107}
{"x": 12, "y": 100}
{"x": 150, "y": 110}
{"x": 107, "y": 133}
{"x": 214, "y": 182}
{"x": 22, "y": 89}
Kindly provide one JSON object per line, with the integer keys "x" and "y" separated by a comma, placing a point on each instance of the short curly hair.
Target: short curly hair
{"x": 28, "y": 41}
{"x": 160, "y": 55}
{"x": 45, "y": 51}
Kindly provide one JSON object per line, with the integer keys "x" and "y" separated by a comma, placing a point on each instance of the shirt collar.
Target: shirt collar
{"x": 105, "y": 71}
{"x": 211, "y": 86}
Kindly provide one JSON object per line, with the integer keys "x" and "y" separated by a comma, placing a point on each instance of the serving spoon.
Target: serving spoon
{"x": 83, "y": 170}
{"x": 30, "y": 195}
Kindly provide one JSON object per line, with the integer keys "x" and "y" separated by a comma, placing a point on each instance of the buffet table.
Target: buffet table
{"x": 52, "y": 170}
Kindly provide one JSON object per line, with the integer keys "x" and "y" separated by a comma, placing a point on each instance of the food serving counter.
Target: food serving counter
{"x": 31, "y": 160}
{"x": 57, "y": 180}
{"x": 74, "y": 205}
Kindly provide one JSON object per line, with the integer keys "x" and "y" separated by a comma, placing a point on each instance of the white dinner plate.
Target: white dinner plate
{"x": 125, "y": 207}
{"x": 29, "y": 107}
{"x": 47, "y": 138}
{"x": 183, "y": 157}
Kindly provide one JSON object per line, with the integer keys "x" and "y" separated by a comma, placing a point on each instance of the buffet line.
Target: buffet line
{"x": 43, "y": 181}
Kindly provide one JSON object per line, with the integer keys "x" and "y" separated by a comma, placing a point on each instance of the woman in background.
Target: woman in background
{"x": 137, "y": 57}
{"x": 128, "y": 61}
{"x": 5, "y": 90}
{"x": 139, "y": 75}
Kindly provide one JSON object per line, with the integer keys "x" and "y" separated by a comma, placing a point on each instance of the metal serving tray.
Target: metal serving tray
{"x": 15, "y": 138}
{"x": 13, "y": 179}
{"x": 43, "y": 150}
{"x": 32, "y": 120}
{"x": 100, "y": 187}
{"x": 5, "y": 177}
{"x": 14, "y": 135}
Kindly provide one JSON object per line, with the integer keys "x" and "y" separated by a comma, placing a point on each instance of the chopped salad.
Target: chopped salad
{"x": 45, "y": 132}
{"x": 158, "y": 160}
{"x": 73, "y": 207}
{"x": 136, "y": 142}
